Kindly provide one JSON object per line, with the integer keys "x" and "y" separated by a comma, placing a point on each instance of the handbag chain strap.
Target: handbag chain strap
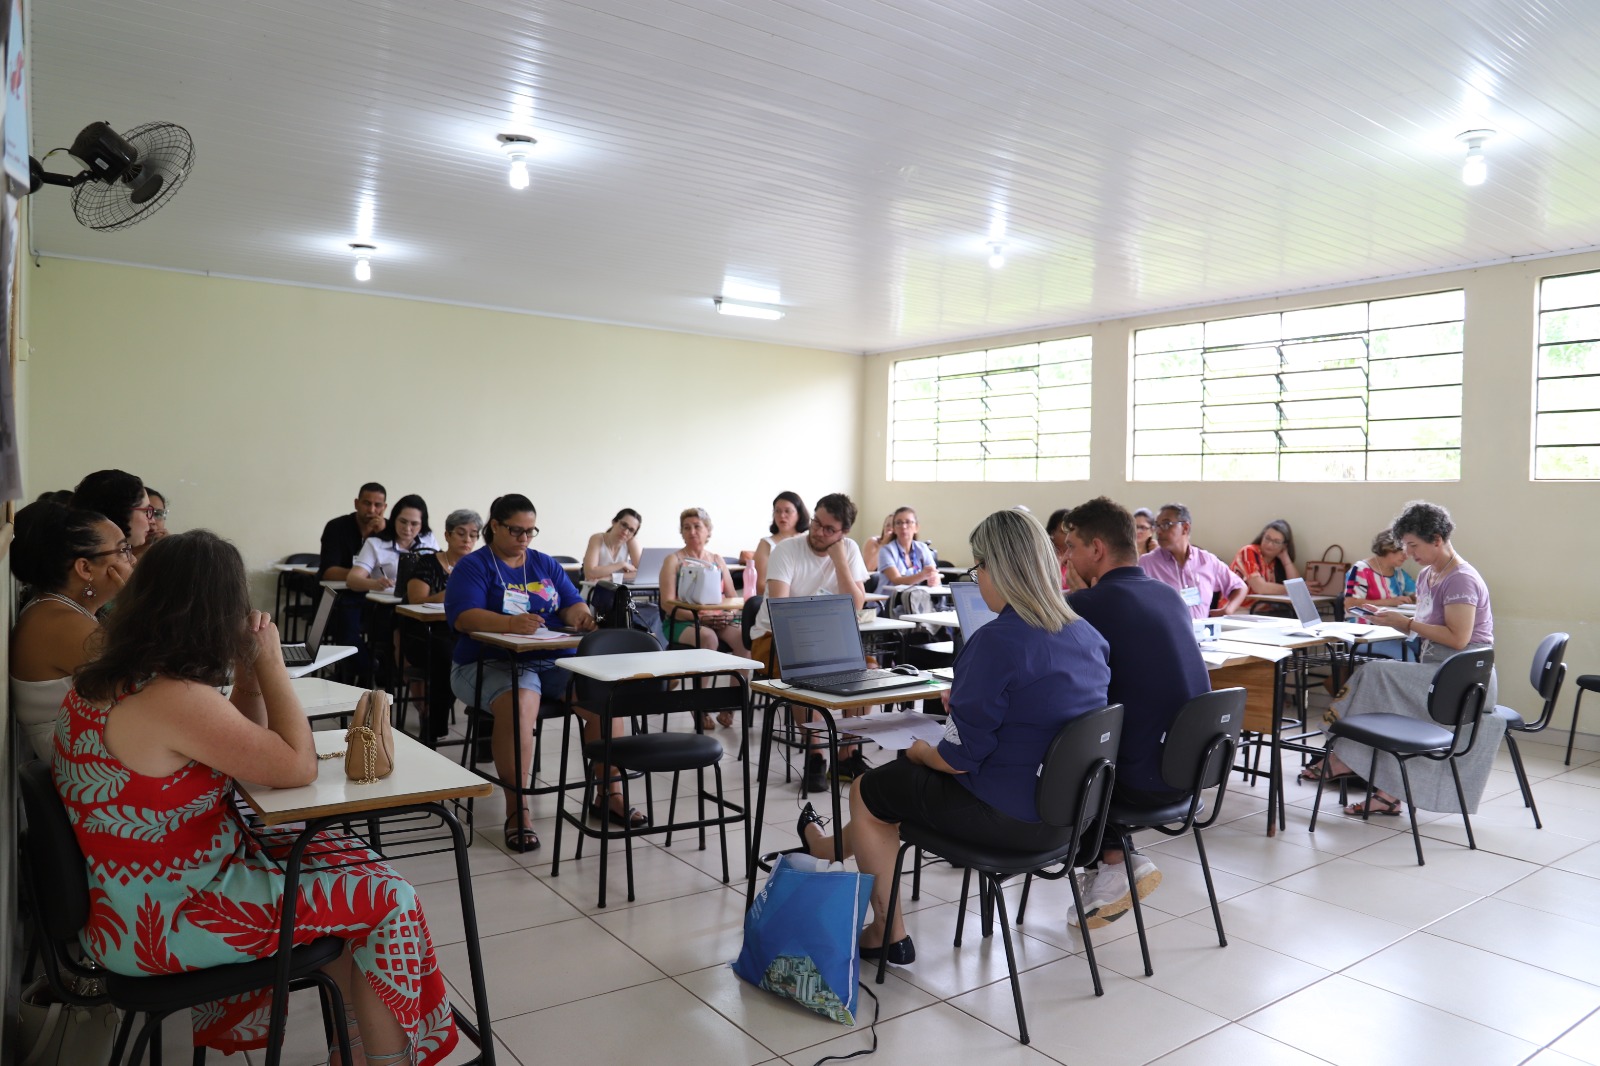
{"x": 369, "y": 751}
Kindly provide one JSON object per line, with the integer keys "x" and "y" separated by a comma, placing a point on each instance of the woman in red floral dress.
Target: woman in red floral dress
{"x": 144, "y": 760}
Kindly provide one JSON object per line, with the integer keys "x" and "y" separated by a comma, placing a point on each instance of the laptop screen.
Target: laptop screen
{"x": 815, "y": 635}
{"x": 1300, "y": 596}
{"x": 319, "y": 623}
{"x": 650, "y": 560}
{"x": 971, "y": 611}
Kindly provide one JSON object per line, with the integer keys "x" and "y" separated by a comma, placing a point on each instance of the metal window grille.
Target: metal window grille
{"x": 1002, "y": 414}
{"x": 1366, "y": 391}
{"x": 1566, "y": 406}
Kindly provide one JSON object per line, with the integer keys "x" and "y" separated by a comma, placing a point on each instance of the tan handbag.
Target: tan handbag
{"x": 369, "y": 745}
{"x": 1325, "y": 576}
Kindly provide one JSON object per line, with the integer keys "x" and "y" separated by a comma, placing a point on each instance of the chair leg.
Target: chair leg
{"x": 1027, "y": 883}
{"x": 1322, "y": 779}
{"x": 1411, "y": 809}
{"x": 961, "y": 911}
{"x": 627, "y": 835}
{"x": 1522, "y": 780}
{"x": 700, "y": 793}
{"x": 1138, "y": 911}
{"x": 998, "y": 901}
{"x": 672, "y": 809}
{"x": 722, "y": 826}
{"x": 121, "y": 1043}
{"x": 1211, "y": 889}
{"x": 146, "y": 1040}
{"x": 1083, "y": 928}
{"x": 888, "y": 918}
{"x": 985, "y": 906}
{"x": 199, "y": 1058}
{"x": 1461, "y": 799}
{"x": 916, "y": 876}
{"x": 1572, "y": 733}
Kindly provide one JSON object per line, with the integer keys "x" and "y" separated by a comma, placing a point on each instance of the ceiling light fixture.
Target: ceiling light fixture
{"x": 746, "y": 310}
{"x": 518, "y": 147}
{"x": 997, "y": 255}
{"x": 1475, "y": 170}
{"x": 363, "y": 260}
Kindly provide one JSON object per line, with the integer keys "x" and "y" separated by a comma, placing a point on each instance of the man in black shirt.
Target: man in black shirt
{"x": 1155, "y": 669}
{"x": 342, "y": 537}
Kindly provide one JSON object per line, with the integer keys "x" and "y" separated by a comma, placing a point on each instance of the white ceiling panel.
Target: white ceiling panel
{"x": 857, "y": 157}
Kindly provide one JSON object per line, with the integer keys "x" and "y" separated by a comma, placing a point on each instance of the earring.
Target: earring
{"x": 88, "y": 592}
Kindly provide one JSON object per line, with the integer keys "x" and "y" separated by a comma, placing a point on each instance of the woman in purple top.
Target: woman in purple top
{"x": 1453, "y": 615}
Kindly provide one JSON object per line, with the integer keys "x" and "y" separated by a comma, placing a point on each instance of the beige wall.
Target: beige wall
{"x": 261, "y": 408}
{"x": 1534, "y": 542}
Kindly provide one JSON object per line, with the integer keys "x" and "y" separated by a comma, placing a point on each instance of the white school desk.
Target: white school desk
{"x": 421, "y": 612}
{"x": 779, "y": 693}
{"x": 946, "y": 619}
{"x": 674, "y": 663}
{"x": 327, "y": 655}
{"x": 336, "y": 586}
{"x": 388, "y": 599}
{"x": 422, "y": 780}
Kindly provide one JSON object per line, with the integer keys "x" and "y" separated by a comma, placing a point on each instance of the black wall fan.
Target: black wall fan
{"x": 128, "y": 176}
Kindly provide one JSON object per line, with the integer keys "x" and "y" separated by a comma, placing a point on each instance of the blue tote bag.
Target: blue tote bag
{"x": 802, "y": 935}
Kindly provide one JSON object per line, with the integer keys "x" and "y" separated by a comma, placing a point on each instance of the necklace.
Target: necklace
{"x": 70, "y": 602}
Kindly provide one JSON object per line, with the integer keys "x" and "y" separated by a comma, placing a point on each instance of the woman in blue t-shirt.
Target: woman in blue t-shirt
{"x": 1019, "y": 679}
{"x": 507, "y": 587}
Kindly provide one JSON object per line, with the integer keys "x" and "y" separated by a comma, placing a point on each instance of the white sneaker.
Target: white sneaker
{"x": 1106, "y": 897}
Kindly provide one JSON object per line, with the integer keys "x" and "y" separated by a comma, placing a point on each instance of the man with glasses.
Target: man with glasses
{"x": 1155, "y": 669}
{"x": 1200, "y": 577}
{"x": 824, "y": 562}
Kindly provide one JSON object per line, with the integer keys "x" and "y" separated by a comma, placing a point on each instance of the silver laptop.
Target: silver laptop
{"x": 650, "y": 560}
{"x": 971, "y": 611}
{"x": 305, "y": 654}
{"x": 819, "y": 647}
{"x": 1308, "y": 620}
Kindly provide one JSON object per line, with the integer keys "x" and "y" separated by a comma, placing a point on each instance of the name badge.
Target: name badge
{"x": 1191, "y": 596}
{"x": 516, "y": 602}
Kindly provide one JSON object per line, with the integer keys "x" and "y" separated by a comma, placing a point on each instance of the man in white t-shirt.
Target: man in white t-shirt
{"x": 823, "y": 562}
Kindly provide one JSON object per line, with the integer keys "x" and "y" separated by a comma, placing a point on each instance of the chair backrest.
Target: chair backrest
{"x": 1192, "y": 760}
{"x": 1072, "y": 788}
{"x": 747, "y": 617}
{"x": 303, "y": 559}
{"x": 591, "y": 693}
{"x": 56, "y": 866}
{"x": 1460, "y": 685}
{"x": 1546, "y": 673}
{"x": 565, "y": 559}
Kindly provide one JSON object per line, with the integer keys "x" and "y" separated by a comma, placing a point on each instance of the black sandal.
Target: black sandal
{"x": 634, "y": 819}
{"x": 522, "y": 839}
{"x": 808, "y": 816}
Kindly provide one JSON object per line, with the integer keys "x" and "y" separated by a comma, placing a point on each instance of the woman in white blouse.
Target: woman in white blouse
{"x": 377, "y": 566}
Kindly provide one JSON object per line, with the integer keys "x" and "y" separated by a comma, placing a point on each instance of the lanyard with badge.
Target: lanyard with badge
{"x": 1191, "y": 592}
{"x": 513, "y": 601}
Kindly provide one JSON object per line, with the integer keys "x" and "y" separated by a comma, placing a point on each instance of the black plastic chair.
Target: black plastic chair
{"x": 1586, "y": 683}
{"x": 57, "y": 892}
{"x": 1546, "y": 675}
{"x": 643, "y": 754}
{"x": 1455, "y": 702}
{"x": 301, "y": 601}
{"x": 1073, "y": 791}
{"x": 1197, "y": 755}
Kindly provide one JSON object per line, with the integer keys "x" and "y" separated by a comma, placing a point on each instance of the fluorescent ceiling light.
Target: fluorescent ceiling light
{"x": 518, "y": 147}
{"x": 746, "y": 310}
{"x": 1475, "y": 169}
{"x": 363, "y": 260}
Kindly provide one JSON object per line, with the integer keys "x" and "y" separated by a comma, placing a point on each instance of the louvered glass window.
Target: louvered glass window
{"x": 1566, "y": 411}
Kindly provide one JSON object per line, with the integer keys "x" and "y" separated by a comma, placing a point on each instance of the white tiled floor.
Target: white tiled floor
{"x": 1341, "y": 949}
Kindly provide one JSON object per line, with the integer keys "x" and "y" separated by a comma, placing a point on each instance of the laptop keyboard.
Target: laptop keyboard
{"x": 845, "y": 677}
{"x": 297, "y": 655}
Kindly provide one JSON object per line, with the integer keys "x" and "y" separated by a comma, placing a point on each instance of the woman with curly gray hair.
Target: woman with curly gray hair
{"x": 1453, "y": 615}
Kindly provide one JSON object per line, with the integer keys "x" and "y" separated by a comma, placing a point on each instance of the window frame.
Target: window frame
{"x": 1541, "y": 351}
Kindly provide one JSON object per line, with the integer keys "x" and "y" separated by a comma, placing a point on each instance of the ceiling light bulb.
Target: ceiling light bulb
{"x": 363, "y": 261}
{"x": 518, "y": 147}
{"x": 1475, "y": 169}
{"x": 744, "y": 310}
{"x": 997, "y": 255}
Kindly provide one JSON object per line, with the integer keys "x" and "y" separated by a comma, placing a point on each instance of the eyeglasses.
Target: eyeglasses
{"x": 519, "y": 532}
{"x": 158, "y": 514}
{"x": 148, "y": 512}
{"x": 120, "y": 549}
{"x": 971, "y": 573}
{"x": 1168, "y": 524}
{"x": 827, "y": 531}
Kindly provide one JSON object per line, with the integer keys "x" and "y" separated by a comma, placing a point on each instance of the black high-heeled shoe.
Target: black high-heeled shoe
{"x": 901, "y": 953}
{"x": 808, "y": 816}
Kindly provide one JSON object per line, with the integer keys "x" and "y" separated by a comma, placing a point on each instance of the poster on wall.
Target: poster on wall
{"x": 16, "y": 102}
